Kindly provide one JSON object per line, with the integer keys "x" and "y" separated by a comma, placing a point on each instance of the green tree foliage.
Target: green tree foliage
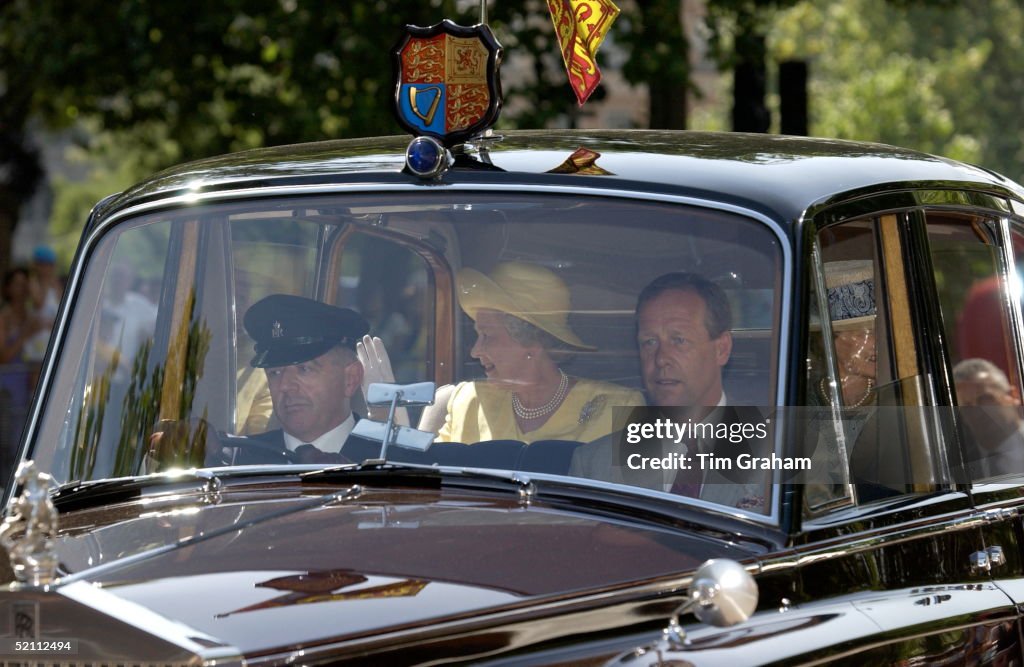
{"x": 220, "y": 76}
{"x": 157, "y": 83}
{"x": 20, "y": 168}
{"x": 659, "y": 56}
{"x": 944, "y": 78}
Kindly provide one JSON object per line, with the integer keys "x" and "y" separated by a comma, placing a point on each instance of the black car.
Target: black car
{"x": 868, "y": 513}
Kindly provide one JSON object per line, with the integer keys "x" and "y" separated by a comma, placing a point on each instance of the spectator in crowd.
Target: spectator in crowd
{"x": 18, "y": 324}
{"x": 46, "y": 290}
{"x": 991, "y": 409}
{"x": 18, "y": 320}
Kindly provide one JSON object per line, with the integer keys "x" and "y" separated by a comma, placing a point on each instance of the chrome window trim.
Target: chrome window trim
{"x": 842, "y": 546}
{"x": 87, "y": 245}
{"x": 1013, "y": 281}
{"x": 906, "y": 196}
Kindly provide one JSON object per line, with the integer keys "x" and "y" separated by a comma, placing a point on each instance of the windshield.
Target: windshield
{"x": 200, "y": 328}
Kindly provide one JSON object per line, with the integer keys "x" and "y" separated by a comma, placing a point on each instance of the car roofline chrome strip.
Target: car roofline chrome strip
{"x": 843, "y": 547}
{"x": 192, "y": 199}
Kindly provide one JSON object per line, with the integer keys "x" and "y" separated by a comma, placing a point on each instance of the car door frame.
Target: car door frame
{"x": 878, "y": 548}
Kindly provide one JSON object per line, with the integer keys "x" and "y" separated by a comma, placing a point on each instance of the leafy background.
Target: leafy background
{"x": 137, "y": 86}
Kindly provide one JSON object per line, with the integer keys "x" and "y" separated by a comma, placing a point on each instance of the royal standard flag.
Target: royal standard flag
{"x": 581, "y": 26}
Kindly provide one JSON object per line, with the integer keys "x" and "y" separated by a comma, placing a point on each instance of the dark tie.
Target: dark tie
{"x": 308, "y": 453}
{"x": 688, "y": 481}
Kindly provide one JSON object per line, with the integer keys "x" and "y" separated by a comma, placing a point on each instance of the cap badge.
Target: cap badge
{"x": 447, "y": 81}
{"x": 276, "y": 330}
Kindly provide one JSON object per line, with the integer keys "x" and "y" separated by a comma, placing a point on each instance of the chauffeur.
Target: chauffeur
{"x": 307, "y": 349}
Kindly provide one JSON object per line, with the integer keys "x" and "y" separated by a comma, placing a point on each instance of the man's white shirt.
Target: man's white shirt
{"x": 329, "y": 443}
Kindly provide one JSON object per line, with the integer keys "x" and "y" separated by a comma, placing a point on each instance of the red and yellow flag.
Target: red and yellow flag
{"x": 581, "y": 26}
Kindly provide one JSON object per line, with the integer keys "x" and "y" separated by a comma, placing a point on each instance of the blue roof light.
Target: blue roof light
{"x": 426, "y": 157}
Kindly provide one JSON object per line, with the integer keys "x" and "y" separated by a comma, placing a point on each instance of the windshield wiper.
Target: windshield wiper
{"x": 396, "y": 474}
{"x": 426, "y": 476}
{"x": 77, "y": 494}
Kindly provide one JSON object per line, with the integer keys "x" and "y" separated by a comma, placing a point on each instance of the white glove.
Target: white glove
{"x": 377, "y": 368}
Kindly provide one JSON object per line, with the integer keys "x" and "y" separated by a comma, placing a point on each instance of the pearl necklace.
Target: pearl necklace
{"x": 524, "y": 412}
{"x": 827, "y": 396}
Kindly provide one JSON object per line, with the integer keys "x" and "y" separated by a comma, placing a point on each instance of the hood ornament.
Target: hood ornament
{"x": 28, "y": 529}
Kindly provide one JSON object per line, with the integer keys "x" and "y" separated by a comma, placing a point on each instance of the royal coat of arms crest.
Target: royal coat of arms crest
{"x": 447, "y": 84}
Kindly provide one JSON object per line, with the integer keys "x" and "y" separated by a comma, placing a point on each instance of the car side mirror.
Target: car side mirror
{"x": 721, "y": 594}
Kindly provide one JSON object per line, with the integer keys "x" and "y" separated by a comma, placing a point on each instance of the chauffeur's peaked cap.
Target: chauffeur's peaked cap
{"x": 292, "y": 329}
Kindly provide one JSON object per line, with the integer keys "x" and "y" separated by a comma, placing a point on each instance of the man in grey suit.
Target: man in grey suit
{"x": 684, "y": 339}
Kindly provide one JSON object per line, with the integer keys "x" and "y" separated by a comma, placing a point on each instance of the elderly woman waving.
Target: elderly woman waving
{"x": 520, "y": 312}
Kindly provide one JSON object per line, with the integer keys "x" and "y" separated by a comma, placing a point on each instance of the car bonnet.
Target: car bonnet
{"x": 269, "y": 571}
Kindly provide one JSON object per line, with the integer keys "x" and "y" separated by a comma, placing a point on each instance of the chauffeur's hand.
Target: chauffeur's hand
{"x": 377, "y": 368}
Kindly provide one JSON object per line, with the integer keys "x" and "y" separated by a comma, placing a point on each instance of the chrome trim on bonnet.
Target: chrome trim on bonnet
{"x": 130, "y": 613}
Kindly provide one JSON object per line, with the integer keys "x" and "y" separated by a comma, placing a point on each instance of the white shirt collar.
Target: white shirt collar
{"x": 330, "y": 442}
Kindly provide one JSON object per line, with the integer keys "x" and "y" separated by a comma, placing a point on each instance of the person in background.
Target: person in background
{"x": 46, "y": 283}
{"x": 18, "y": 324}
{"x": 991, "y": 408}
{"x": 46, "y": 290}
{"x": 19, "y": 321}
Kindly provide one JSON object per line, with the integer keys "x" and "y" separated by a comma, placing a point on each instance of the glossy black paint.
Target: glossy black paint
{"x": 781, "y": 177}
{"x": 409, "y": 559}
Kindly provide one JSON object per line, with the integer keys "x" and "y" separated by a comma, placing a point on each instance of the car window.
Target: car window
{"x": 976, "y": 287}
{"x": 430, "y": 275}
{"x": 864, "y": 386}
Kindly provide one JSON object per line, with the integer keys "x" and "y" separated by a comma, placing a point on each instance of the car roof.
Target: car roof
{"x": 779, "y": 176}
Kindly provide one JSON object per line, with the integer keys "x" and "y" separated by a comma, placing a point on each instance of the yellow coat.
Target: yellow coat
{"x": 481, "y": 410}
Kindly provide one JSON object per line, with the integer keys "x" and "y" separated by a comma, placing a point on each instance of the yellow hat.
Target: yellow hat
{"x": 530, "y": 292}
